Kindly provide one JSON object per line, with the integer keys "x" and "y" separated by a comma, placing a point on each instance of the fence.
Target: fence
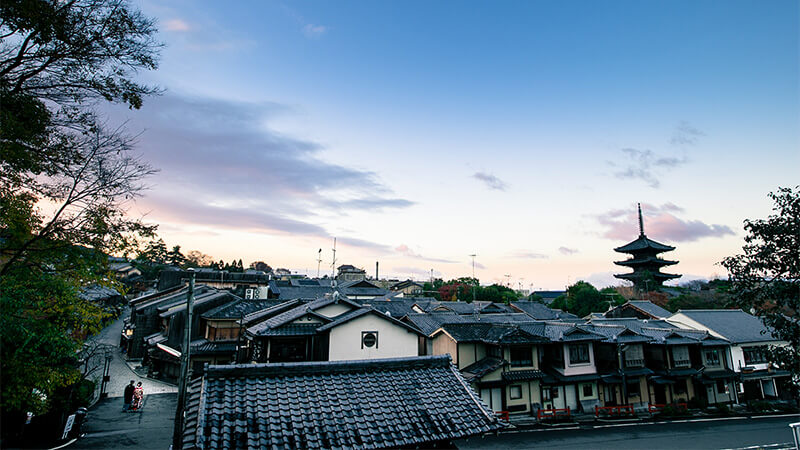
{"x": 611, "y": 411}
{"x": 655, "y": 408}
{"x": 553, "y": 414}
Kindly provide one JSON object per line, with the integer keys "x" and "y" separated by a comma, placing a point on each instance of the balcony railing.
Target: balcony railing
{"x": 682, "y": 363}
{"x": 634, "y": 362}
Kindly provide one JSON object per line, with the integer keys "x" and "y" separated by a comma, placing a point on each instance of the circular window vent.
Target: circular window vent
{"x": 369, "y": 339}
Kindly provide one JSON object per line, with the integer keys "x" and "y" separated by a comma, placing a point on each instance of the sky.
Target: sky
{"x": 420, "y": 133}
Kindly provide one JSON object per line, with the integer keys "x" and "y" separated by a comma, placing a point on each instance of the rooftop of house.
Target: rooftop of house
{"x": 734, "y": 325}
{"x": 537, "y": 310}
{"x": 647, "y": 307}
{"x": 382, "y": 403}
{"x": 240, "y": 308}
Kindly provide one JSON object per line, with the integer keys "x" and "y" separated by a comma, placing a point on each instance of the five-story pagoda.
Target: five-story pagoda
{"x": 644, "y": 261}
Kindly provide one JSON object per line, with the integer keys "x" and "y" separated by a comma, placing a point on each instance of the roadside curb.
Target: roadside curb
{"x": 600, "y": 423}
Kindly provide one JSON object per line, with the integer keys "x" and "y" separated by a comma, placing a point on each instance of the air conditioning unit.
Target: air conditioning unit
{"x": 250, "y": 293}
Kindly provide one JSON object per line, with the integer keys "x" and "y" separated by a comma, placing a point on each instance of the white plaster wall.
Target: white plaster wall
{"x": 393, "y": 340}
{"x": 579, "y": 369}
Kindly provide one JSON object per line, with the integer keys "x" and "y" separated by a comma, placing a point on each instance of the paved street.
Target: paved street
{"x": 725, "y": 434}
{"x": 120, "y": 373}
{"x": 109, "y": 428}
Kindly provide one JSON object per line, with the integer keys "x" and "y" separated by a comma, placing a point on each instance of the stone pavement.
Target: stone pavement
{"x": 109, "y": 428}
{"x": 120, "y": 371}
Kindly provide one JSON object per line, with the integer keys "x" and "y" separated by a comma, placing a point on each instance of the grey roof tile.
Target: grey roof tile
{"x": 347, "y": 404}
{"x": 734, "y": 324}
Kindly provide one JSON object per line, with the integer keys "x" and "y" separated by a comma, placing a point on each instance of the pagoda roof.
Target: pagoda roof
{"x": 657, "y": 275}
{"x": 644, "y": 261}
{"x": 643, "y": 243}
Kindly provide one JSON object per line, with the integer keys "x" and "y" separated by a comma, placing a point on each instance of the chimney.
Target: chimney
{"x": 376, "y": 271}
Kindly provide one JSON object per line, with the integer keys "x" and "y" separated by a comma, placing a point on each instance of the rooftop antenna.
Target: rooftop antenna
{"x": 319, "y": 260}
{"x": 333, "y": 264}
{"x": 508, "y": 280}
{"x": 641, "y": 222}
{"x": 474, "y": 288}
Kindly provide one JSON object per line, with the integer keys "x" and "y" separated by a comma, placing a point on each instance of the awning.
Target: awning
{"x": 688, "y": 372}
{"x": 761, "y": 374}
{"x": 169, "y": 350}
{"x": 523, "y": 375}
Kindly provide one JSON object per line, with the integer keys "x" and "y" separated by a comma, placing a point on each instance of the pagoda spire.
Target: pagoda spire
{"x": 641, "y": 222}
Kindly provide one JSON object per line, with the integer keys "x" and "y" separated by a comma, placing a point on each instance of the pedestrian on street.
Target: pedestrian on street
{"x": 138, "y": 397}
{"x": 127, "y": 397}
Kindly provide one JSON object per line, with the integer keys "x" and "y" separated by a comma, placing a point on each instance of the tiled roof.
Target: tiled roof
{"x": 301, "y": 310}
{"x": 568, "y": 332}
{"x": 482, "y": 367}
{"x": 239, "y": 308}
{"x": 396, "y": 307}
{"x": 290, "y": 329}
{"x": 523, "y": 375}
{"x": 364, "y": 310}
{"x": 428, "y": 323}
{"x": 734, "y": 324}
{"x": 492, "y": 333}
{"x": 536, "y": 310}
{"x": 649, "y": 308}
{"x": 643, "y": 242}
{"x": 344, "y": 404}
{"x": 201, "y": 347}
{"x": 502, "y": 318}
{"x": 272, "y": 311}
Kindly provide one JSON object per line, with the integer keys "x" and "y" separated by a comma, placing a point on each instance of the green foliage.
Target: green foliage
{"x": 57, "y": 61}
{"x": 583, "y": 299}
{"x": 765, "y": 278}
{"x": 759, "y": 406}
{"x": 44, "y": 322}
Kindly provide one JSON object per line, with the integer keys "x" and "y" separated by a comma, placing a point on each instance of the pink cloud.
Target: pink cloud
{"x": 659, "y": 223}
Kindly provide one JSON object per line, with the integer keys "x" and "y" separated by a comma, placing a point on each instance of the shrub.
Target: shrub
{"x": 723, "y": 409}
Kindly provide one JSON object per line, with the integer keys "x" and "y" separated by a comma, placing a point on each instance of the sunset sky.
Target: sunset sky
{"x": 418, "y": 133}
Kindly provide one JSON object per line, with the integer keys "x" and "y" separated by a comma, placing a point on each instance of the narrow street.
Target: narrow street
{"x": 120, "y": 374}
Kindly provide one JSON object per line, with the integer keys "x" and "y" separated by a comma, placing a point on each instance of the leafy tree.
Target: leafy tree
{"x": 581, "y": 299}
{"x": 175, "y": 257}
{"x": 197, "y": 258}
{"x": 765, "y": 278}
{"x": 261, "y": 265}
{"x": 58, "y": 59}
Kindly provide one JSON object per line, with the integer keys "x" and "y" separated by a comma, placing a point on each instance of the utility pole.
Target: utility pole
{"x": 621, "y": 361}
{"x": 180, "y": 412}
{"x": 319, "y": 260}
{"x": 474, "y": 281}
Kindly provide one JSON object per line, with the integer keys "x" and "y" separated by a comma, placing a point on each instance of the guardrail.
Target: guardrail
{"x": 553, "y": 414}
{"x": 654, "y": 408}
{"x": 610, "y": 411}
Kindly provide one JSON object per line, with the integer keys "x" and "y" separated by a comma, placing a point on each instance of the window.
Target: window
{"x": 369, "y": 339}
{"x": 493, "y": 351}
{"x": 521, "y": 355}
{"x": 680, "y": 387}
{"x": 680, "y": 356}
{"x": 515, "y": 392}
{"x": 712, "y": 357}
{"x": 722, "y": 387}
{"x": 755, "y": 355}
{"x": 546, "y": 397}
{"x": 588, "y": 390}
{"x": 554, "y": 393}
{"x": 634, "y": 356}
{"x": 578, "y": 354}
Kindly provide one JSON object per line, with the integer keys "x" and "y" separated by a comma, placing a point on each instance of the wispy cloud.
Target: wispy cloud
{"x": 313, "y": 31}
{"x": 567, "y": 251}
{"x": 685, "y": 134}
{"x": 645, "y": 165}
{"x": 405, "y": 250}
{"x": 659, "y": 223}
{"x": 176, "y": 25}
{"x": 528, "y": 255}
{"x": 415, "y": 272}
{"x": 491, "y": 181}
{"x": 223, "y": 167}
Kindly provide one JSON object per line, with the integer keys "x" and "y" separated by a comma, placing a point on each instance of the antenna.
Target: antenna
{"x": 319, "y": 260}
{"x": 473, "y": 264}
{"x": 508, "y": 280}
{"x": 641, "y": 222}
{"x": 333, "y": 263}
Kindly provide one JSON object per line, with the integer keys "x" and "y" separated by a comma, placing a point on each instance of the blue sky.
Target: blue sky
{"x": 418, "y": 133}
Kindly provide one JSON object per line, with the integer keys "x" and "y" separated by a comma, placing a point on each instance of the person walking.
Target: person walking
{"x": 138, "y": 397}
{"x": 127, "y": 397}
